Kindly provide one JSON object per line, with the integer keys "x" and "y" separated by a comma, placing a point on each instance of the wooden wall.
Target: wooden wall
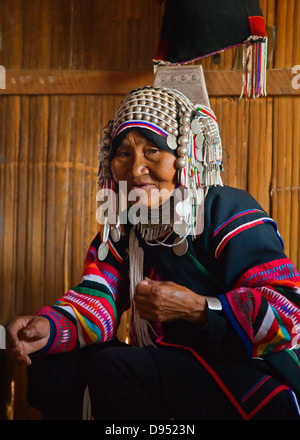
{"x": 68, "y": 64}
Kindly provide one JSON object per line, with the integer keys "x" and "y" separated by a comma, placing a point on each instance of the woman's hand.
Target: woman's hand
{"x": 167, "y": 301}
{"x": 25, "y": 335}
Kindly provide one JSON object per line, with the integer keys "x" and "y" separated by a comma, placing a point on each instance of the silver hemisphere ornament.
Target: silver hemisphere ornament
{"x": 196, "y": 126}
{"x": 182, "y": 208}
{"x": 180, "y": 246}
{"x": 103, "y": 251}
{"x": 199, "y": 140}
{"x": 171, "y": 141}
{"x": 115, "y": 234}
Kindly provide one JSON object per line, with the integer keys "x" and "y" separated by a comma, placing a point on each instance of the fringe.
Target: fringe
{"x": 140, "y": 328}
{"x": 255, "y": 67}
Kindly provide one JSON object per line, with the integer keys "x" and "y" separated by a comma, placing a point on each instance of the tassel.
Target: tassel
{"x": 254, "y": 67}
{"x": 139, "y": 327}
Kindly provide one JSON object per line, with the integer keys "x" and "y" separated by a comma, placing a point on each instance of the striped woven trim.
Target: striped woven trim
{"x": 236, "y": 231}
{"x": 65, "y": 334}
{"x": 239, "y": 214}
{"x": 141, "y": 124}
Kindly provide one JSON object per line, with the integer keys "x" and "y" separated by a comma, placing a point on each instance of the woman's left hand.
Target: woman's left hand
{"x": 167, "y": 301}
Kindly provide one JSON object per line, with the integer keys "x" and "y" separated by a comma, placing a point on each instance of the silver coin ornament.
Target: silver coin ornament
{"x": 199, "y": 141}
{"x": 172, "y": 142}
{"x": 183, "y": 207}
{"x": 196, "y": 126}
{"x": 181, "y": 228}
{"x": 115, "y": 234}
{"x": 182, "y": 193}
{"x": 103, "y": 251}
{"x": 180, "y": 246}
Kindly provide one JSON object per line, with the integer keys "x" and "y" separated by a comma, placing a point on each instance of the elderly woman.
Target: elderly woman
{"x": 213, "y": 298}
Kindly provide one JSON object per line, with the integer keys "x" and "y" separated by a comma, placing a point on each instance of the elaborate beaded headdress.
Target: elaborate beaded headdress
{"x": 188, "y": 131}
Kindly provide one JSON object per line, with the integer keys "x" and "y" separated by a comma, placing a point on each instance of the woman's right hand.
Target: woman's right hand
{"x": 25, "y": 335}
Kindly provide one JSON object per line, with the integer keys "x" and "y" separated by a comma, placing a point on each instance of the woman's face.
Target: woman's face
{"x": 145, "y": 168}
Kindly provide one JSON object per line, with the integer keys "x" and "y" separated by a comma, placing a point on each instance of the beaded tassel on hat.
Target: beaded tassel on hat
{"x": 108, "y": 219}
{"x": 255, "y": 67}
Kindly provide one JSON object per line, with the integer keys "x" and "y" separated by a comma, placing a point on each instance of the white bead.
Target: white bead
{"x": 184, "y": 120}
{"x": 182, "y": 151}
{"x": 180, "y": 163}
{"x": 183, "y": 140}
{"x": 184, "y": 129}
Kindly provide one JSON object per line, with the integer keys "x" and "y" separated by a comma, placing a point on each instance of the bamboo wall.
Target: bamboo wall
{"x": 52, "y": 114}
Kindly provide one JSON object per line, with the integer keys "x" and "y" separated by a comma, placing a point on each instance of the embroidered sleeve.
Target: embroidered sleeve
{"x": 263, "y": 307}
{"x": 262, "y": 295}
{"x": 88, "y": 313}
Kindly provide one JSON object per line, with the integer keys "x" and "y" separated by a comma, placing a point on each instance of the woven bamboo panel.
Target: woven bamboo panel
{"x": 49, "y": 143}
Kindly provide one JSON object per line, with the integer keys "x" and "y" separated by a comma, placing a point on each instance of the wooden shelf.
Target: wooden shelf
{"x": 95, "y": 82}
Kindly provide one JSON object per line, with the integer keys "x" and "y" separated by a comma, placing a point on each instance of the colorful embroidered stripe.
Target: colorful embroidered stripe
{"x": 141, "y": 124}
{"x": 255, "y": 387}
{"x": 237, "y": 326}
{"x": 207, "y": 113}
{"x": 90, "y": 311}
{"x": 65, "y": 335}
{"x": 236, "y": 231}
{"x": 111, "y": 247}
{"x": 114, "y": 251}
{"x": 273, "y": 271}
{"x": 239, "y": 214}
{"x": 204, "y": 270}
{"x": 224, "y": 388}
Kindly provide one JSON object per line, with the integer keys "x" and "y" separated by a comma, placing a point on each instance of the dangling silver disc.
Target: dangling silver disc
{"x": 115, "y": 234}
{"x": 199, "y": 141}
{"x": 181, "y": 228}
{"x": 196, "y": 126}
{"x": 103, "y": 251}
{"x": 182, "y": 193}
{"x": 181, "y": 248}
{"x": 171, "y": 141}
{"x": 182, "y": 207}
